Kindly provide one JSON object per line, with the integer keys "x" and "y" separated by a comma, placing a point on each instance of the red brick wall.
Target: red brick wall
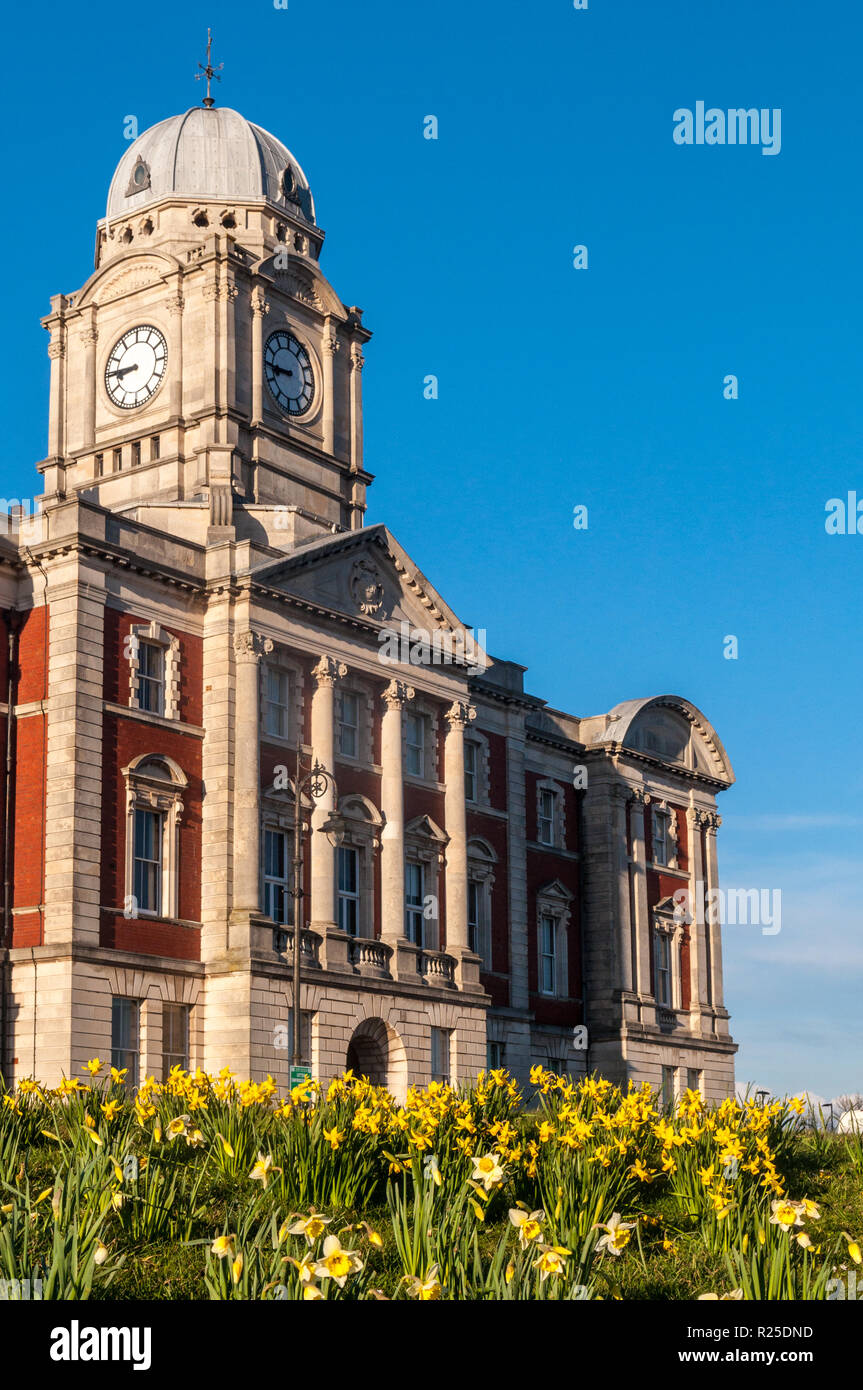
{"x": 126, "y": 738}
{"x": 28, "y": 809}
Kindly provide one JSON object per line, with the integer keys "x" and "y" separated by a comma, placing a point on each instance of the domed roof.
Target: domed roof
{"x": 208, "y": 153}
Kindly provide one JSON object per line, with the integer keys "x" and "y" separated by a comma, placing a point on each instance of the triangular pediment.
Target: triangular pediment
{"x": 367, "y": 576}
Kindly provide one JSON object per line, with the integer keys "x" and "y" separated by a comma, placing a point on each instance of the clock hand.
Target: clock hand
{"x": 284, "y": 371}
{"x": 122, "y": 371}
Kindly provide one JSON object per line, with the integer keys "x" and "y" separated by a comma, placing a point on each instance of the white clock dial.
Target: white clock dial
{"x": 289, "y": 373}
{"x": 136, "y": 366}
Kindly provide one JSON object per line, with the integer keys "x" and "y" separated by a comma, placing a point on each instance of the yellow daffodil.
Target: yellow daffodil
{"x": 786, "y": 1214}
{"x": 333, "y": 1137}
{"x": 487, "y": 1170}
{"x": 94, "y": 1066}
{"x": 616, "y": 1236}
{"x": 311, "y": 1226}
{"x": 237, "y": 1267}
{"x": 552, "y": 1260}
{"x": 223, "y": 1245}
{"x": 337, "y": 1263}
{"x": 425, "y": 1290}
{"x": 262, "y": 1168}
{"x": 527, "y": 1224}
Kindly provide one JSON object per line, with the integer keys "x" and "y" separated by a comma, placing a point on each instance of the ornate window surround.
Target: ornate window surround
{"x": 365, "y": 731}
{"x": 429, "y": 715}
{"x": 363, "y": 826}
{"x": 164, "y": 795}
{"x": 279, "y": 660}
{"x": 554, "y": 900}
{"x": 154, "y": 633}
{"x": 425, "y": 843}
{"x": 548, "y": 784}
{"x": 668, "y": 924}
{"x": 483, "y": 773}
{"x": 481, "y": 861}
{"x": 662, "y": 810}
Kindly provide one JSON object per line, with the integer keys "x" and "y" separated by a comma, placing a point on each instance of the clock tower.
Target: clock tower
{"x": 207, "y": 378}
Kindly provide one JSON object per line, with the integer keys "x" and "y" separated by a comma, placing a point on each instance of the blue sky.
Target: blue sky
{"x": 560, "y": 387}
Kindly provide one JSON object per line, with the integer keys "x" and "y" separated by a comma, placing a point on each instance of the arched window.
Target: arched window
{"x": 154, "y": 812}
{"x": 355, "y": 865}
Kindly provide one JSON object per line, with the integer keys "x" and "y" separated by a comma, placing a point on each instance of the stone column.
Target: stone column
{"x": 641, "y": 925}
{"x": 249, "y": 648}
{"x": 624, "y": 916}
{"x": 395, "y": 697}
{"x": 57, "y": 396}
{"x": 714, "y": 926}
{"x": 176, "y": 305}
{"x": 458, "y": 716}
{"x": 89, "y": 338}
{"x": 323, "y": 856}
{"x": 357, "y": 364}
{"x": 330, "y": 347}
{"x": 698, "y": 995}
{"x": 260, "y": 309}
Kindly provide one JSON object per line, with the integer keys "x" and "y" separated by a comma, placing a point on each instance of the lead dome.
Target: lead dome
{"x": 209, "y": 153}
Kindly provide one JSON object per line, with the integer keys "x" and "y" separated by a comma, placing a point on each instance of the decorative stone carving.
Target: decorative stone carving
{"x": 397, "y": 694}
{"x": 460, "y": 714}
{"x": 251, "y": 646}
{"x": 367, "y": 589}
{"x": 357, "y": 359}
{"x": 260, "y": 304}
{"x": 328, "y": 671}
{"x": 56, "y": 349}
{"x": 330, "y": 343}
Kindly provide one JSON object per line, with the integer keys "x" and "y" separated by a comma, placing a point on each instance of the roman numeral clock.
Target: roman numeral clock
{"x": 136, "y": 366}
{"x": 289, "y": 373}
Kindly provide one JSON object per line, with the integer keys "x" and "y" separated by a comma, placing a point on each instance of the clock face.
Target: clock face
{"x": 136, "y": 366}
{"x": 289, "y": 373}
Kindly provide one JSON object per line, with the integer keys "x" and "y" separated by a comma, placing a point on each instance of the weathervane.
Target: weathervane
{"x": 209, "y": 72}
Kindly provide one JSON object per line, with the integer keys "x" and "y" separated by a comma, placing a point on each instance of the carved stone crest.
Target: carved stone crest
{"x": 367, "y": 590}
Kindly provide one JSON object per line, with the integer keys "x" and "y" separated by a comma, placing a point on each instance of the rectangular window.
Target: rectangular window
{"x": 414, "y": 902}
{"x": 349, "y": 724}
{"x": 494, "y": 1053}
{"x": 415, "y": 745}
{"x": 155, "y": 448}
{"x": 278, "y": 903}
{"x": 471, "y": 761}
{"x": 175, "y": 1037}
{"x": 667, "y": 1086}
{"x": 440, "y": 1054}
{"x": 660, "y": 838}
{"x": 546, "y": 818}
{"x": 662, "y": 955}
{"x": 151, "y": 678}
{"x": 125, "y": 1037}
{"x": 136, "y": 453}
{"x": 118, "y": 460}
{"x": 349, "y": 890}
{"x": 557, "y": 1065}
{"x": 305, "y": 1036}
{"x": 147, "y": 885}
{"x": 99, "y": 465}
{"x": 548, "y": 954}
{"x": 693, "y": 1079}
{"x": 478, "y": 924}
{"x": 276, "y": 696}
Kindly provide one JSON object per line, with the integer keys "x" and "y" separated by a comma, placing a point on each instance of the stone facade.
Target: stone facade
{"x": 197, "y": 609}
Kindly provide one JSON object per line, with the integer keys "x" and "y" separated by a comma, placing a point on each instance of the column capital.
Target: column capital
{"x": 460, "y": 714}
{"x": 330, "y": 342}
{"x": 251, "y": 646}
{"x": 357, "y": 359}
{"x": 260, "y": 305}
{"x": 90, "y": 337}
{"x": 397, "y": 694}
{"x": 176, "y": 305}
{"x": 327, "y": 671}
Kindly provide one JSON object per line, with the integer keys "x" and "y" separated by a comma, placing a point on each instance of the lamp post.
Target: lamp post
{"x": 316, "y": 782}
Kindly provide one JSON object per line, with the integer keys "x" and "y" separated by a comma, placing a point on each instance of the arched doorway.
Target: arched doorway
{"x": 376, "y": 1051}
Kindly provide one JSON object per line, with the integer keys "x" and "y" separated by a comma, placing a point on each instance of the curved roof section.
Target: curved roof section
{"x": 209, "y": 153}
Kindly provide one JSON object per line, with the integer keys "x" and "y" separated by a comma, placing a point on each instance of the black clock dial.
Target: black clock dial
{"x": 289, "y": 373}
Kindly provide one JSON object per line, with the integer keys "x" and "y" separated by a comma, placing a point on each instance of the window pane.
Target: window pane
{"x": 151, "y": 678}
{"x": 347, "y": 870}
{"x": 348, "y": 724}
{"x": 175, "y": 1037}
{"x": 147, "y": 883}
{"x": 125, "y": 1033}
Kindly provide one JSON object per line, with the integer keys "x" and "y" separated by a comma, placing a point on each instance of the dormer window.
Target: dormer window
{"x": 289, "y": 184}
{"x": 140, "y": 177}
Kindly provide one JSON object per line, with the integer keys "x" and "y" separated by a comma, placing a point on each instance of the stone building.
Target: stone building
{"x": 195, "y": 595}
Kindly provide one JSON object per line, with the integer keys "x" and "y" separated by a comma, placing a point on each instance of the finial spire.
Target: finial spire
{"x": 209, "y": 72}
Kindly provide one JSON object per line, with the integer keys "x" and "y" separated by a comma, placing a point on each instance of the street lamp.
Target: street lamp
{"x": 316, "y": 782}
{"x": 761, "y": 1095}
